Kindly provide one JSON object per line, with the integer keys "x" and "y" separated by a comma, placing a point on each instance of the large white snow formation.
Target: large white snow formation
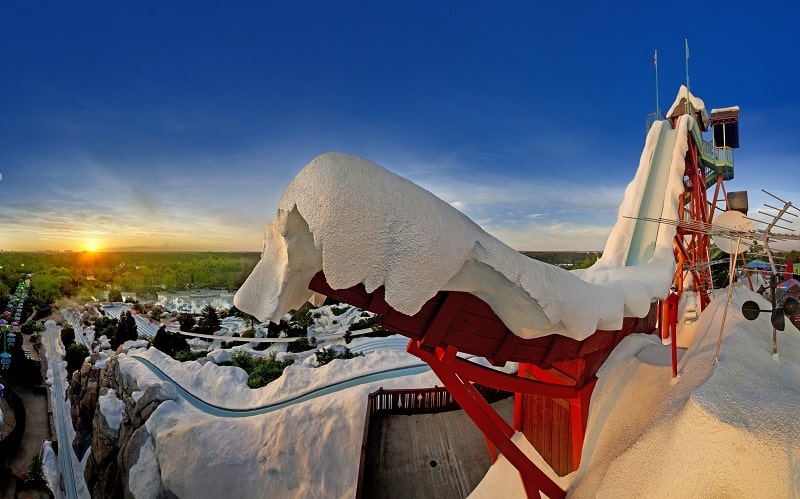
{"x": 363, "y": 224}
{"x": 360, "y": 223}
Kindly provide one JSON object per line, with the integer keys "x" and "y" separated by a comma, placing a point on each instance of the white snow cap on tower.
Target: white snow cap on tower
{"x": 697, "y": 103}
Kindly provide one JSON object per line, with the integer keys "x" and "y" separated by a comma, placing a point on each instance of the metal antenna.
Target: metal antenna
{"x": 767, "y": 236}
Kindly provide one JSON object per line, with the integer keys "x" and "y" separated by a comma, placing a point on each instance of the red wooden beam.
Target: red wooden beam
{"x": 500, "y": 380}
{"x": 579, "y": 416}
{"x": 451, "y": 371}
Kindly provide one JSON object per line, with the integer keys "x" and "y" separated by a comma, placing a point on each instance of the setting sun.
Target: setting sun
{"x": 91, "y": 246}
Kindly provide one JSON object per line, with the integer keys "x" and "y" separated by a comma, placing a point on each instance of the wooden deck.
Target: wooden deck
{"x": 439, "y": 455}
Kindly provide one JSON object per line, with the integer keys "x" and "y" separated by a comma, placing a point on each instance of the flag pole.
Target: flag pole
{"x": 655, "y": 63}
{"x": 686, "y": 40}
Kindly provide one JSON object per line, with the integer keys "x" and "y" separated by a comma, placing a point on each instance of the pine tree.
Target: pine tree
{"x": 209, "y": 321}
{"x": 126, "y": 329}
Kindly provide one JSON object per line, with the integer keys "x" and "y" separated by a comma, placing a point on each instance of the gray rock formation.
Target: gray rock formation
{"x": 114, "y": 451}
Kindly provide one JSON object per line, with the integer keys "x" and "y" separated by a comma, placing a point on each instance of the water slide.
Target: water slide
{"x": 65, "y": 454}
{"x": 651, "y": 205}
{"x": 220, "y": 411}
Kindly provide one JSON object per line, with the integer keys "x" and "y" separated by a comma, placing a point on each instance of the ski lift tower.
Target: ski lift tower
{"x": 707, "y": 164}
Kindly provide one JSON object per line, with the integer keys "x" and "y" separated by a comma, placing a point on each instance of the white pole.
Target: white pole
{"x": 731, "y": 270}
{"x": 687, "y": 62}
{"x": 655, "y": 63}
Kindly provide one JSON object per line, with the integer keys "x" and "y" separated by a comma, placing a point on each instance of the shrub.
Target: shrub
{"x": 105, "y": 326}
{"x": 76, "y": 354}
{"x": 67, "y": 336}
{"x": 366, "y": 322}
{"x": 266, "y": 371}
{"x": 188, "y": 355}
{"x": 114, "y": 295}
{"x": 35, "y": 476}
{"x": 209, "y": 322}
{"x": 339, "y": 310}
{"x": 302, "y": 344}
{"x": 186, "y": 321}
{"x": 169, "y": 343}
{"x": 302, "y": 316}
{"x": 126, "y": 330}
{"x": 260, "y": 372}
{"x": 157, "y": 312}
{"x": 242, "y": 360}
{"x": 274, "y": 330}
{"x": 325, "y": 355}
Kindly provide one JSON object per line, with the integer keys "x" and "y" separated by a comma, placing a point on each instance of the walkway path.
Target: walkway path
{"x": 37, "y": 430}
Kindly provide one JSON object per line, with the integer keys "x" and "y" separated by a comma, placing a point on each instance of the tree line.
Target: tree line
{"x": 84, "y": 274}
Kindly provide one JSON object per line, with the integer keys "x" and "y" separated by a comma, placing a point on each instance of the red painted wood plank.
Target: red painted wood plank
{"x": 442, "y": 320}
{"x": 505, "y": 350}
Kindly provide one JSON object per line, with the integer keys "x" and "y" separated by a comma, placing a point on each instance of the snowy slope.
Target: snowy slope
{"x": 726, "y": 429}
{"x": 718, "y": 430}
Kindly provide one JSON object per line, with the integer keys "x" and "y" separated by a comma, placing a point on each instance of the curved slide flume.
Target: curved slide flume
{"x": 220, "y": 411}
{"x": 61, "y": 425}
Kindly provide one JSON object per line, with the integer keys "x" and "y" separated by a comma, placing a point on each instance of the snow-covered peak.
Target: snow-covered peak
{"x": 360, "y": 223}
{"x": 678, "y": 108}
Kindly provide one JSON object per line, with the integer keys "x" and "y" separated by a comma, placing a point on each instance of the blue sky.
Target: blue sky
{"x": 178, "y": 124}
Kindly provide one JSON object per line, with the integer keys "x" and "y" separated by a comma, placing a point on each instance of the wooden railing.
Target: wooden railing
{"x": 717, "y": 154}
{"x": 411, "y": 401}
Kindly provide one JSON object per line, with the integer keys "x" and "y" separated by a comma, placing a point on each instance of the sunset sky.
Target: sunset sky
{"x": 177, "y": 125}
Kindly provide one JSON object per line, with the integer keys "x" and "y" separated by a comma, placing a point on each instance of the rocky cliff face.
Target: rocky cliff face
{"x": 114, "y": 446}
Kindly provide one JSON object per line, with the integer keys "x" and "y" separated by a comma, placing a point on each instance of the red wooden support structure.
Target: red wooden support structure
{"x": 693, "y": 246}
{"x": 553, "y": 368}
{"x": 556, "y": 426}
{"x": 457, "y": 375}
